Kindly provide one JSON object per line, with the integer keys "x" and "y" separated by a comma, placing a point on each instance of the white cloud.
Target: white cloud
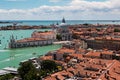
{"x": 76, "y": 9}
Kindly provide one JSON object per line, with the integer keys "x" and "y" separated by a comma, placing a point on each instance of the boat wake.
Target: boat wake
{"x": 18, "y": 55}
{"x": 4, "y": 50}
{"x": 5, "y": 60}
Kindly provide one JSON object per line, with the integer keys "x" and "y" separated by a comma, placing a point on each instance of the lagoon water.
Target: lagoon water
{"x": 12, "y": 57}
{"x": 48, "y": 22}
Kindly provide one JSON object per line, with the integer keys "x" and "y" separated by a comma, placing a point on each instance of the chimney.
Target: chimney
{"x": 100, "y": 62}
{"x": 78, "y": 73}
{"x": 100, "y": 71}
{"x": 57, "y": 77}
{"x": 107, "y": 78}
{"x": 86, "y": 74}
{"x": 90, "y": 74}
{"x": 108, "y": 72}
{"x": 114, "y": 69}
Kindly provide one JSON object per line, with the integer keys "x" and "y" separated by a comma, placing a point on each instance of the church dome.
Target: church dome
{"x": 63, "y": 25}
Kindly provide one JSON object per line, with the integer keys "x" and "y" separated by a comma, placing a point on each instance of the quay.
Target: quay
{"x": 8, "y": 70}
{"x": 61, "y": 42}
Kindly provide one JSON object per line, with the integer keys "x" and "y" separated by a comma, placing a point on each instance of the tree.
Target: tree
{"x": 59, "y": 37}
{"x": 48, "y": 65}
{"x": 6, "y": 77}
{"x": 98, "y": 29}
{"x": 116, "y": 30}
{"x": 74, "y": 36}
{"x": 46, "y": 31}
{"x": 28, "y": 72}
{"x": 86, "y": 24}
{"x": 65, "y": 55}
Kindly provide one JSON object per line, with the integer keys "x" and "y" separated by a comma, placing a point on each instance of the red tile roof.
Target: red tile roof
{"x": 30, "y": 39}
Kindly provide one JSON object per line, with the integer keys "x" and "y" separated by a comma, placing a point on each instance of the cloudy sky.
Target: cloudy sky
{"x": 56, "y": 9}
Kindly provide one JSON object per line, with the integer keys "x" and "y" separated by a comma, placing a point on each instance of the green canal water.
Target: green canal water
{"x": 12, "y": 57}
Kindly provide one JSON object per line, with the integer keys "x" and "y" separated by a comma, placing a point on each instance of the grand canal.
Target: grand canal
{"x": 12, "y": 57}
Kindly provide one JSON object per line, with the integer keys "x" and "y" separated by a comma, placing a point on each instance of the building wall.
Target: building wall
{"x": 30, "y": 44}
{"x": 59, "y": 56}
{"x": 106, "y": 56}
{"x": 102, "y": 44}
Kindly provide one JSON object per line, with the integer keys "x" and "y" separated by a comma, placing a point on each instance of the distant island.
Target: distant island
{"x": 2, "y": 22}
{"x": 5, "y": 22}
{"x": 26, "y": 27}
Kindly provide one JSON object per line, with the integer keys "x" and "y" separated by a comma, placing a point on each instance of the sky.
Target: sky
{"x": 57, "y": 9}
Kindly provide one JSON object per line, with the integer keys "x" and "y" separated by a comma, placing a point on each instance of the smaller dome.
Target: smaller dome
{"x": 63, "y": 25}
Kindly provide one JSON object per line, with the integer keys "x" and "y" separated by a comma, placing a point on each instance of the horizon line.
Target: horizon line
{"x": 65, "y": 19}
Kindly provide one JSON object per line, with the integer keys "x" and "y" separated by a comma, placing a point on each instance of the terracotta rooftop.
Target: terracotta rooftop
{"x": 50, "y": 78}
{"x": 30, "y": 39}
{"x": 46, "y": 58}
{"x": 107, "y": 38}
{"x": 107, "y": 52}
{"x": 60, "y": 75}
{"x": 94, "y": 68}
{"x": 78, "y": 33}
{"x": 113, "y": 72}
{"x": 65, "y": 50}
{"x": 44, "y": 33}
{"x": 93, "y": 53}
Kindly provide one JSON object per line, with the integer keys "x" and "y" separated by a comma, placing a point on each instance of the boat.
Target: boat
{"x": 113, "y": 21}
{"x": 33, "y": 53}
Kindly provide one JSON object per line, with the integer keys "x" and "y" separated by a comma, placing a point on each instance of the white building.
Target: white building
{"x": 37, "y": 39}
{"x": 63, "y": 31}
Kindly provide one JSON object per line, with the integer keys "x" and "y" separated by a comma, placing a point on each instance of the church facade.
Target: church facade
{"x": 64, "y": 31}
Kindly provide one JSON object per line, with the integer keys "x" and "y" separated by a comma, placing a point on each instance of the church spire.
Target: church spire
{"x": 63, "y": 20}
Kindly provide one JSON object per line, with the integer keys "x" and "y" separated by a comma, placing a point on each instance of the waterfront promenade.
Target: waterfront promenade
{"x": 61, "y": 42}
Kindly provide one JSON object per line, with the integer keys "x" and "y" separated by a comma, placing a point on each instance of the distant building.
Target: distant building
{"x": 76, "y": 44}
{"x": 63, "y": 31}
{"x": 44, "y": 35}
{"x": 104, "y": 43}
{"x": 36, "y": 39}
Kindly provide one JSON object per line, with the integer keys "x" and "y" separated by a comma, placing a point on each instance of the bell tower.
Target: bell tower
{"x": 12, "y": 41}
{"x": 63, "y": 20}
